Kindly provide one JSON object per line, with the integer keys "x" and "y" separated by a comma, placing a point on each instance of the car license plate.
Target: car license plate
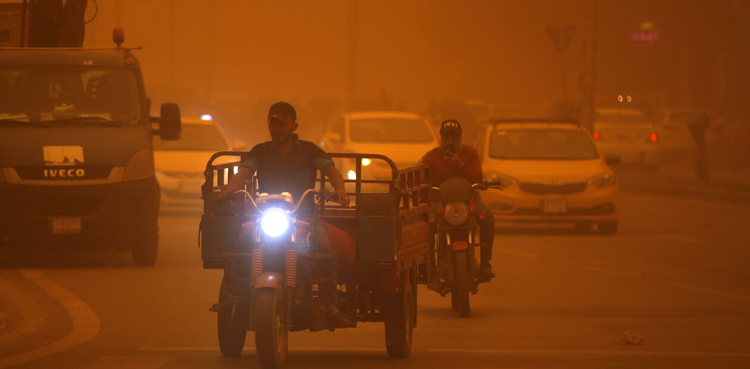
{"x": 555, "y": 205}
{"x": 66, "y": 225}
{"x": 191, "y": 187}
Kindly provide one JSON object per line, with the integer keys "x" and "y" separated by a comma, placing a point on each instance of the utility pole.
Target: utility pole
{"x": 352, "y": 27}
{"x": 589, "y": 105}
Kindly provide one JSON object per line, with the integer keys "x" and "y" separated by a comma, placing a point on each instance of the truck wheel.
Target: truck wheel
{"x": 231, "y": 337}
{"x": 144, "y": 251}
{"x": 461, "y": 286}
{"x": 608, "y": 228}
{"x": 399, "y": 311}
{"x": 271, "y": 334}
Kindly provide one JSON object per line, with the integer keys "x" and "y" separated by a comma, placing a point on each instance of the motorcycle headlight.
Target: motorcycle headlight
{"x": 504, "y": 179}
{"x": 603, "y": 180}
{"x": 274, "y": 223}
{"x": 456, "y": 212}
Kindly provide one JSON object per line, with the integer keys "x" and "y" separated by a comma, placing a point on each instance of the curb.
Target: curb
{"x": 661, "y": 189}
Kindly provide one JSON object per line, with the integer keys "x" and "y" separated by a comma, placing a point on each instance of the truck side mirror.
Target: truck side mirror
{"x": 170, "y": 122}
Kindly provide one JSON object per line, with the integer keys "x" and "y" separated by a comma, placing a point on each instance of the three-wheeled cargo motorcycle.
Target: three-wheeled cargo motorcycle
{"x": 271, "y": 279}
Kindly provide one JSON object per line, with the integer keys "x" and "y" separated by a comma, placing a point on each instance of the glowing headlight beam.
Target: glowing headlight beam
{"x": 274, "y": 223}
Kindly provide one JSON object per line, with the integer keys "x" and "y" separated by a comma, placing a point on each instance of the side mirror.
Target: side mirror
{"x": 170, "y": 122}
{"x": 335, "y": 137}
{"x": 239, "y": 145}
{"x": 612, "y": 159}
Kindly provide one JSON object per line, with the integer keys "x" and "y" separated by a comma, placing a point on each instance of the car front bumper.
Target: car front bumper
{"x": 596, "y": 205}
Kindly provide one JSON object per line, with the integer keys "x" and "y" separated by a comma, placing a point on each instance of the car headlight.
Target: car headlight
{"x": 603, "y": 180}
{"x": 366, "y": 162}
{"x": 504, "y": 179}
{"x": 352, "y": 175}
{"x": 274, "y": 223}
{"x": 456, "y": 212}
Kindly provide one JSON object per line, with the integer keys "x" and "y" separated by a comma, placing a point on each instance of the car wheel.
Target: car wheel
{"x": 608, "y": 228}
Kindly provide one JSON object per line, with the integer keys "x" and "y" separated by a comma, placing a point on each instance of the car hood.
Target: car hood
{"x": 185, "y": 161}
{"x": 404, "y": 155}
{"x": 546, "y": 171}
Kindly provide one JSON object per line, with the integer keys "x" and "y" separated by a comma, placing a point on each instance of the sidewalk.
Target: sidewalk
{"x": 726, "y": 185}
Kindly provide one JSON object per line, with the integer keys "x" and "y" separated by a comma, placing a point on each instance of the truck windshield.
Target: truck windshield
{"x": 63, "y": 95}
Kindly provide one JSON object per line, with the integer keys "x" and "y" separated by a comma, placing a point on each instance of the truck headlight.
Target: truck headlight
{"x": 274, "y": 223}
{"x": 456, "y": 212}
{"x": 603, "y": 180}
{"x": 141, "y": 166}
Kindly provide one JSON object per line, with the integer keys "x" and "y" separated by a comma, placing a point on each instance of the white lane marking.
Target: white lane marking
{"x": 711, "y": 292}
{"x": 563, "y": 352}
{"x": 613, "y": 272}
{"x": 684, "y": 239}
{"x": 518, "y": 253}
{"x": 140, "y": 362}
{"x": 32, "y": 311}
{"x": 85, "y": 323}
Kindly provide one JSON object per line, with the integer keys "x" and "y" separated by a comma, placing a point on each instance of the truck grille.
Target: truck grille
{"x": 63, "y": 206}
{"x": 549, "y": 189}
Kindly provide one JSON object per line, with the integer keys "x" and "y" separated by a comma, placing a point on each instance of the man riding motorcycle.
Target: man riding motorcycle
{"x": 452, "y": 159}
{"x": 288, "y": 164}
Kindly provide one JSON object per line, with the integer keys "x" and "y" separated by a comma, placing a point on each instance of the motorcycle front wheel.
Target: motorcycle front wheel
{"x": 271, "y": 334}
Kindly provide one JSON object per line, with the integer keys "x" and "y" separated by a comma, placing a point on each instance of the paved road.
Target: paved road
{"x": 676, "y": 275}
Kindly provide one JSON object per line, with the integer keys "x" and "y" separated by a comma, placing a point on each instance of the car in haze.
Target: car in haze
{"x": 403, "y": 137}
{"x": 551, "y": 172}
{"x": 629, "y": 134}
{"x": 180, "y": 164}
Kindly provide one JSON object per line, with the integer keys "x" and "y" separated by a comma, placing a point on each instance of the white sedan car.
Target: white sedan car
{"x": 180, "y": 164}
{"x": 403, "y": 137}
{"x": 629, "y": 134}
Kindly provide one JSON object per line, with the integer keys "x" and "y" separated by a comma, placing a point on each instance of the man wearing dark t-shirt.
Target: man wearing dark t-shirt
{"x": 452, "y": 159}
{"x": 288, "y": 164}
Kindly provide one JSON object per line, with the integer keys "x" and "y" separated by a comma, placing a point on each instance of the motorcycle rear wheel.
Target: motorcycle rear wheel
{"x": 231, "y": 337}
{"x": 460, "y": 288}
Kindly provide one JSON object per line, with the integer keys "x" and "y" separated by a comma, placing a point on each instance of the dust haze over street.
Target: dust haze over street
{"x": 151, "y": 211}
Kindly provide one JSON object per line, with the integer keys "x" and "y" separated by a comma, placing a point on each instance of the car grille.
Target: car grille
{"x": 603, "y": 209}
{"x": 63, "y": 206}
{"x": 549, "y": 189}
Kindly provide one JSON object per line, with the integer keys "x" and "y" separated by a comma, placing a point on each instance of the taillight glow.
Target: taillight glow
{"x": 597, "y": 135}
{"x": 653, "y": 137}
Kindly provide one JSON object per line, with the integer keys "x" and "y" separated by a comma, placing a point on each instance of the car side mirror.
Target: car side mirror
{"x": 170, "y": 122}
{"x": 239, "y": 145}
{"x": 612, "y": 159}
{"x": 335, "y": 137}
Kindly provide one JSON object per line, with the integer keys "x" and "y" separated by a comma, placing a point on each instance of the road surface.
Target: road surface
{"x": 675, "y": 275}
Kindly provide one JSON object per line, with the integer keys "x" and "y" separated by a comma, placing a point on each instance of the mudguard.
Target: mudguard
{"x": 269, "y": 280}
{"x": 459, "y": 245}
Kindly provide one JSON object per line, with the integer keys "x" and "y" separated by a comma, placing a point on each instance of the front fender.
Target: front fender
{"x": 269, "y": 280}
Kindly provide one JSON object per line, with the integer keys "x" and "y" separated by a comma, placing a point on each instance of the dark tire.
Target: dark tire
{"x": 231, "y": 337}
{"x": 608, "y": 228}
{"x": 454, "y": 301}
{"x": 461, "y": 285}
{"x": 271, "y": 334}
{"x": 584, "y": 227}
{"x": 399, "y": 311}
{"x": 145, "y": 251}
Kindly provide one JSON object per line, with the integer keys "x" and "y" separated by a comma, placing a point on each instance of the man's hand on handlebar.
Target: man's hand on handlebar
{"x": 341, "y": 197}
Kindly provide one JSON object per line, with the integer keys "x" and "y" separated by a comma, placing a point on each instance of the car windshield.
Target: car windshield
{"x": 537, "y": 144}
{"x": 195, "y": 137}
{"x": 618, "y": 117}
{"x": 390, "y": 130}
{"x": 70, "y": 95}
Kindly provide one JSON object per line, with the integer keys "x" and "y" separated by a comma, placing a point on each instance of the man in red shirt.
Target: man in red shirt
{"x": 452, "y": 159}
